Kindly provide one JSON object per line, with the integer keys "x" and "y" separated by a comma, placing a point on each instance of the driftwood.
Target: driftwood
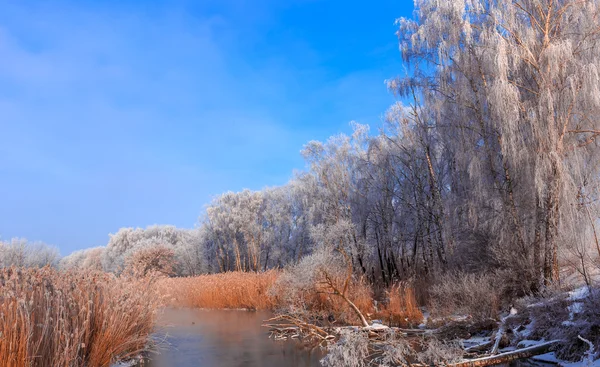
{"x": 507, "y": 356}
{"x": 288, "y": 327}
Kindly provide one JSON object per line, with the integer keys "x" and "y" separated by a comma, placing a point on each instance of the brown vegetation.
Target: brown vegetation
{"x": 224, "y": 290}
{"x": 325, "y": 305}
{"x": 61, "y": 319}
{"x": 401, "y": 309}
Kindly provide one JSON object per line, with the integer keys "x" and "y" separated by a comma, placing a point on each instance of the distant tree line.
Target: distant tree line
{"x": 22, "y": 253}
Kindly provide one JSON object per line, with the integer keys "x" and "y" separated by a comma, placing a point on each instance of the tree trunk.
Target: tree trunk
{"x": 551, "y": 268}
{"x": 537, "y": 240}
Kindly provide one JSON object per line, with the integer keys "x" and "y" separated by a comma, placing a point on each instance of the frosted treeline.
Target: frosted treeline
{"x": 22, "y": 253}
{"x": 185, "y": 249}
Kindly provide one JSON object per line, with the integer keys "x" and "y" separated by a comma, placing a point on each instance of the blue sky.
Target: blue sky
{"x": 131, "y": 113}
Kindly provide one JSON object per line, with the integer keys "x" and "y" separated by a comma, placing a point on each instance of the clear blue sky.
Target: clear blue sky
{"x": 131, "y": 113}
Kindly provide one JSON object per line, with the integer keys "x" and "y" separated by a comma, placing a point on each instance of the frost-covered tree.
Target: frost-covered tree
{"x": 510, "y": 90}
{"x": 489, "y": 163}
{"x": 185, "y": 243}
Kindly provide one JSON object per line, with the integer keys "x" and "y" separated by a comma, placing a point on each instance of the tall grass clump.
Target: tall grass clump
{"x": 72, "y": 318}
{"x": 400, "y": 307}
{"x": 230, "y": 290}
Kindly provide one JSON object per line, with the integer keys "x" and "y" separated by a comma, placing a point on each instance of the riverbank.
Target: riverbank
{"x": 74, "y": 318}
{"x": 396, "y": 305}
{"x": 456, "y": 333}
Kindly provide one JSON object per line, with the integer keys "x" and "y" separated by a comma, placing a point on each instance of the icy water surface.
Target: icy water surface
{"x": 211, "y": 338}
{"x": 221, "y": 338}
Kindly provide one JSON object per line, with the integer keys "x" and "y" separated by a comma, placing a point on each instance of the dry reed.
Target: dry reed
{"x": 72, "y": 318}
{"x": 230, "y": 290}
{"x": 401, "y": 308}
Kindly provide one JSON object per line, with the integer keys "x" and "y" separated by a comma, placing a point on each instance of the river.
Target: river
{"x": 229, "y": 338}
{"x": 223, "y": 338}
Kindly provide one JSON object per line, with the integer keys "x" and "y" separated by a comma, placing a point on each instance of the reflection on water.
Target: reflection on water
{"x": 211, "y": 338}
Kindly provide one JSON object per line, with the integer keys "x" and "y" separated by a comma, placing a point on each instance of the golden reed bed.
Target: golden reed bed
{"x": 64, "y": 319}
{"x": 231, "y": 290}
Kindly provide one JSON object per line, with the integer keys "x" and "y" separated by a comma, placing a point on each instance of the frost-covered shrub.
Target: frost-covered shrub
{"x": 185, "y": 243}
{"x": 351, "y": 350}
{"x": 355, "y": 349}
{"x": 396, "y": 351}
{"x": 148, "y": 261}
{"x": 439, "y": 353}
{"x": 307, "y": 288}
{"x": 465, "y": 294}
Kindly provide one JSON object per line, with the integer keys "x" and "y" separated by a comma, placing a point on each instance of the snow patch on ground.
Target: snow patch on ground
{"x": 426, "y": 316}
{"x": 549, "y": 357}
{"x": 529, "y": 343}
{"x": 475, "y": 341}
{"x": 585, "y": 363}
{"x": 579, "y": 293}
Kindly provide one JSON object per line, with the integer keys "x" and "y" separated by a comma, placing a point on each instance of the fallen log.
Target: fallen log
{"x": 506, "y": 357}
